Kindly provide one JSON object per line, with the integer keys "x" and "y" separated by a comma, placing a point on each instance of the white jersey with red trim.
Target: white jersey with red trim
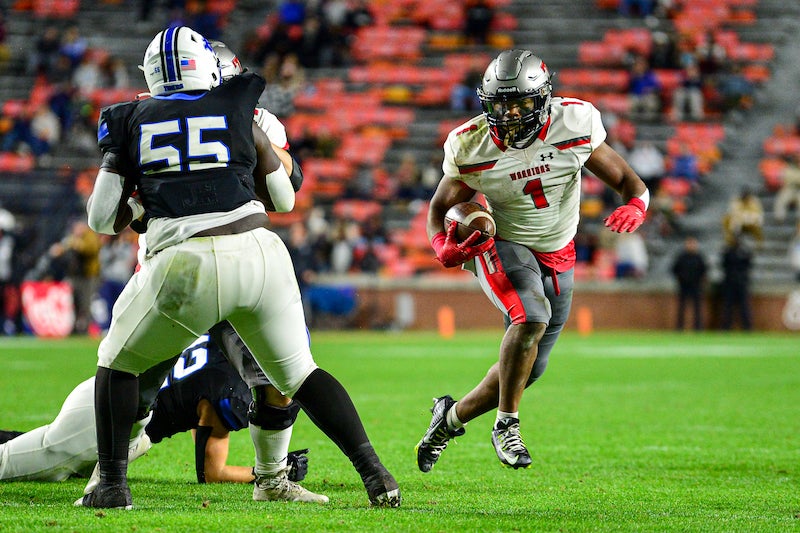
{"x": 534, "y": 193}
{"x": 272, "y": 126}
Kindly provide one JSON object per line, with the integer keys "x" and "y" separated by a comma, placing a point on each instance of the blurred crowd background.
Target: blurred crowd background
{"x": 698, "y": 95}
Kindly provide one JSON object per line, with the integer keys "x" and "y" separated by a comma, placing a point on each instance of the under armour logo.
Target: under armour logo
{"x": 545, "y": 157}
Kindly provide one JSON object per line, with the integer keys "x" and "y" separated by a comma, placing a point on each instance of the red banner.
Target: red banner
{"x": 48, "y": 307}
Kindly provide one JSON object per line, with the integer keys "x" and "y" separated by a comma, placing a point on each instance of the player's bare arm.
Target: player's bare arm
{"x": 216, "y": 469}
{"x": 610, "y": 167}
{"x": 448, "y": 193}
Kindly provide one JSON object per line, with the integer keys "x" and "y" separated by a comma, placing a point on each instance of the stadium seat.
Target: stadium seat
{"x": 771, "y": 169}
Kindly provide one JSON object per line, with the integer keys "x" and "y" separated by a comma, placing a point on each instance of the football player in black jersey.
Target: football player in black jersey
{"x": 201, "y": 393}
{"x": 201, "y": 170}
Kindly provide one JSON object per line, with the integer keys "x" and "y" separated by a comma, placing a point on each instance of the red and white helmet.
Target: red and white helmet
{"x": 178, "y": 60}
{"x": 229, "y": 64}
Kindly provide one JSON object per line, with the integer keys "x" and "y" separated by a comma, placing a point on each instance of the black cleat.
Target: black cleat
{"x": 435, "y": 439}
{"x": 382, "y": 488}
{"x": 106, "y": 496}
{"x": 508, "y": 444}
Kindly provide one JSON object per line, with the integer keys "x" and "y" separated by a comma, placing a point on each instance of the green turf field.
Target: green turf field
{"x": 648, "y": 431}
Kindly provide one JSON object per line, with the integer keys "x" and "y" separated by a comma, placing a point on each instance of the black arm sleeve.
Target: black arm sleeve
{"x": 202, "y": 435}
{"x": 296, "y": 177}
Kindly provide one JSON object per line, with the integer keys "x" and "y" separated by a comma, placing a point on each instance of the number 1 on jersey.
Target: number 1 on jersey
{"x": 535, "y": 189}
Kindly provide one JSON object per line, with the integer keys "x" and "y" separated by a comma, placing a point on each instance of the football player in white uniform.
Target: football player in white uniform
{"x": 202, "y": 171}
{"x": 524, "y": 153}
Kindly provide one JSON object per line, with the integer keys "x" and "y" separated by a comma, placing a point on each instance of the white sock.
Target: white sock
{"x": 272, "y": 447}
{"x": 502, "y": 414}
{"x": 452, "y": 418}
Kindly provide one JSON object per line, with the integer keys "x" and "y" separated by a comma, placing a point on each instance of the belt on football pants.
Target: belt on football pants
{"x": 243, "y": 225}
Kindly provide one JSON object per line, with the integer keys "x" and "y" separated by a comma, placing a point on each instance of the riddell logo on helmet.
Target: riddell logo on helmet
{"x": 506, "y": 89}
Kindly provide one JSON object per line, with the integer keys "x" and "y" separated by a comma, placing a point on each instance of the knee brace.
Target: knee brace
{"x": 268, "y": 416}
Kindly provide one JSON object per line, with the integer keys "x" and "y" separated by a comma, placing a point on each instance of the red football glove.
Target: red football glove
{"x": 627, "y": 218}
{"x": 452, "y": 253}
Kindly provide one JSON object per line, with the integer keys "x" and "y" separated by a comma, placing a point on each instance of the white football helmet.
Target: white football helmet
{"x": 229, "y": 64}
{"x": 515, "y": 95}
{"x": 178, "y": 60}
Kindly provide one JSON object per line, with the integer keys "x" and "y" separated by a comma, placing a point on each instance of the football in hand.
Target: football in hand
{"x": 470, "y": 216}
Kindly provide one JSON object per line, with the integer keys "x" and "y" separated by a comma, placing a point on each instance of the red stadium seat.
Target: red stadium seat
{"x": 771, "y": 169}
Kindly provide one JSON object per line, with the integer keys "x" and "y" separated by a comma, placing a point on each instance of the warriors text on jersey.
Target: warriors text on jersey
{"x": 533, "y": 194}
{"x": 175, "y": 410}
{"x": 190, "y": 155}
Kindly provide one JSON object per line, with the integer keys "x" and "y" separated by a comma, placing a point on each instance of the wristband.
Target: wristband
{"x": 637, "y": 202}
{"x": 644, "y": 198}
{"x": 437, "y": 242}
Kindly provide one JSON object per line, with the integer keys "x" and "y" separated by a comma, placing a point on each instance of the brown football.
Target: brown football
{"x": 470, "y": 216}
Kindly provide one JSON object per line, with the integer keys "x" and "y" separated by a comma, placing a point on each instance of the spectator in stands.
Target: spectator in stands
{"x": 745, "y": 216}
{"x": 640, "y": 8}
{"x": 34, "y": 131}
{"x": 665, "y": 212}
{"x": 5, "y": 53}
{"x": 73, "y": 45}
{"x": 83, "y": 245}
{"x": 478, "y": 17}
{"x": 409, "y": 177}
{"x": 278, "y": 96}
{"x": 686, "y": 165}
{"x": 735, "y": 90}
{"x": 292, "y": 12}
{"x": 317, "y": 46}
{"x": 710, "y": 56}
{"x": 45, "y": 52}
{"x": 789, "y": 194}
{"x": 373, "y": 236}
{"x": 687, "y": 99}
{"x": 345, "y": 233}
{"x": 794, "y": 253}
{"x": 663, "y": 53}
{"x": 117, "y": 263}
{"x": 113, "y": 73}
{"x": 9, "y": 289}
{"x": 463, "y": 96}
{"x": 737, "y": 262}
{"x": 644, "y": 90}
{"x": 87, "y": 76}
{"x": 358, "y": 15}
{"x": 631, "y": 254}
{"x": 304, "y": 258}
{"x": 206, "y": 22}
{"x": 689, "y": 269}
{"x": 649, "y": 162}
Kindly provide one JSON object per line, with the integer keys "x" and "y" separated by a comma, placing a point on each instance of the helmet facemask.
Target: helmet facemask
{"x": 515, "y": 95}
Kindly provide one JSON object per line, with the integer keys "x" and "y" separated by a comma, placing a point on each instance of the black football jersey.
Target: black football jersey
{"x": 201, "y": 372}
{"x": 188, "y": 153}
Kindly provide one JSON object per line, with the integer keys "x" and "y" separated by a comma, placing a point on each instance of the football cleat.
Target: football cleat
{"x": 107, "y": 496}
{"x": 143, "y": 444}
{"x": 382, "y": 488}
{"x": 280, "y": 488}
{"x": 509, "y": 445}
{"x": 435, "y": 439}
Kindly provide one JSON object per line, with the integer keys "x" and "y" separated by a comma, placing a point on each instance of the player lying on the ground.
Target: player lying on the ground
{"x": 202, "y": 393}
